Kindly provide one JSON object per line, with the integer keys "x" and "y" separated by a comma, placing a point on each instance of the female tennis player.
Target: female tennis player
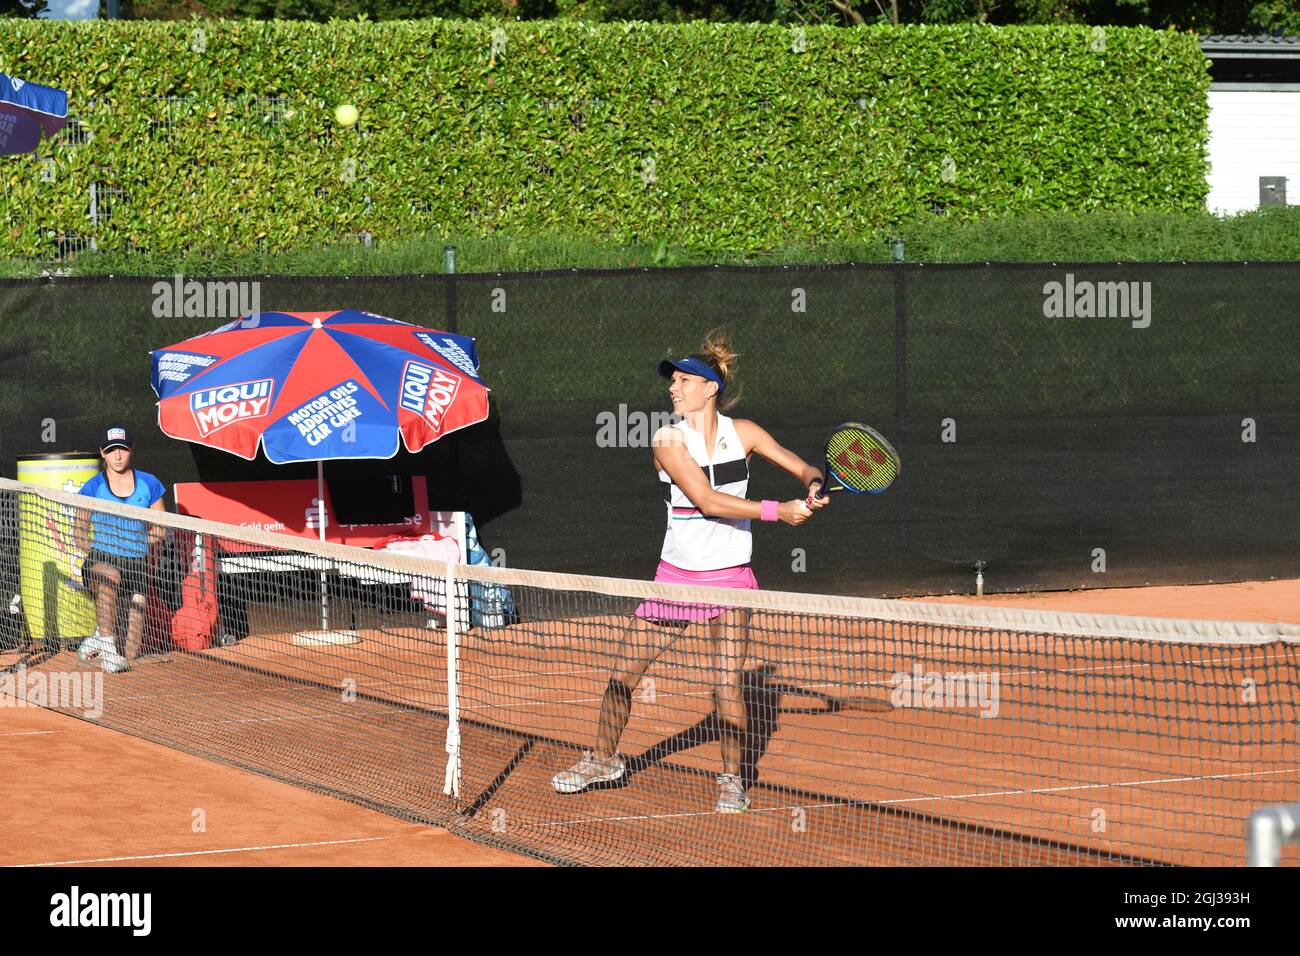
{"x": 117, "y": 566}
{"x": 703, "y": 465}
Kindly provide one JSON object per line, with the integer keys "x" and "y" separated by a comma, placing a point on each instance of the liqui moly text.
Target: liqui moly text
{"x": 215, "y": 408}
{"x": 429, "y": 392}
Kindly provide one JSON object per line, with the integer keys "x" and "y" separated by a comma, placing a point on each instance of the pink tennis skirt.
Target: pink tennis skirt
{"x": 740, "y": 577}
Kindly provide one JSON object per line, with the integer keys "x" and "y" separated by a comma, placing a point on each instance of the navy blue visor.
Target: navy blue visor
{"x": 691, "y": 365}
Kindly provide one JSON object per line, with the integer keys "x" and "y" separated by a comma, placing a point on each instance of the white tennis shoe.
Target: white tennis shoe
{"x": 95, "y": 645}
{"x": 732, "y": 797}
{"x": 588, "y": 772}
{"x": 111, "y": 662}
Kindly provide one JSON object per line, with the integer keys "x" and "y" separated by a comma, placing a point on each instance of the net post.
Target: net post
{"x": 458, "y": 524}
{"x": 324, "y": 603}
{"x": 1268, "y": 831}
{"x": 320, "y": 518}
{"x": 451, "y": 781}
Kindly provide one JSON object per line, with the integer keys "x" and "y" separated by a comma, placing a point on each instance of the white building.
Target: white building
{"x": 1254, "y": 121}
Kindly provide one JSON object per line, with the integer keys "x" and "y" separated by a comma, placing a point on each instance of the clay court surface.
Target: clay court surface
{"x": 94, "y": 796}
{"x": 82, "y": 793}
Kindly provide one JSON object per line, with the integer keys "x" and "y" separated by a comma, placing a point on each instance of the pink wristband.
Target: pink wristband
{"x": 769, "y": 512}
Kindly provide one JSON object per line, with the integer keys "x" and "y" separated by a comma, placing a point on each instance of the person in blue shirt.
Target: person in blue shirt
{"x": 116, "y": 566}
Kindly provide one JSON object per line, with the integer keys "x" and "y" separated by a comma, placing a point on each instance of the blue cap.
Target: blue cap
{"x": 692, "y": 365}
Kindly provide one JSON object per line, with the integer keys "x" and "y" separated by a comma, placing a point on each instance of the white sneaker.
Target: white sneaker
{"x": 588, "y": 772}
{"x": 94, "y": 646}
{"x": 112, "y": 662}
{"x": 732, "y": 797}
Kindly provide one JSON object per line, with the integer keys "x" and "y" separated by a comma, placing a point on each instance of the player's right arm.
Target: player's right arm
{"x": 670, "y": 454}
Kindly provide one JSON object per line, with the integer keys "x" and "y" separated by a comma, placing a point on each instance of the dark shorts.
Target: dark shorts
{"x": 134, "y": 571}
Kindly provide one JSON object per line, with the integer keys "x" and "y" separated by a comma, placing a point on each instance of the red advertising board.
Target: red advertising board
{"x": 290, "y": 507}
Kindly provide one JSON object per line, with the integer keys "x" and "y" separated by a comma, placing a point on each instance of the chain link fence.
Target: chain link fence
{"x": 1065, "y": 425}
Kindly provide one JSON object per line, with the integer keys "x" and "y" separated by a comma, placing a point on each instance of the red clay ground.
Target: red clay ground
{"x": 77, "y": 794}
{"x": 1249, "y": 601}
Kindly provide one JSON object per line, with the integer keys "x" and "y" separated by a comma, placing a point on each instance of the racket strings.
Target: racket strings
{"x": 861, "y": 460}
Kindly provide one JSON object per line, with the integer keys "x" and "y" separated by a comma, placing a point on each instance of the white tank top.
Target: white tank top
{"x": 696, "y": 542}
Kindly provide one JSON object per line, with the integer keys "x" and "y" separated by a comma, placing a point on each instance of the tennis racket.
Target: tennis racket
{"x": 860, "y": 461}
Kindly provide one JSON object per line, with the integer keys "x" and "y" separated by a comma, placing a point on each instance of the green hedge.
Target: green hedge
{"x": 751, "y": 143}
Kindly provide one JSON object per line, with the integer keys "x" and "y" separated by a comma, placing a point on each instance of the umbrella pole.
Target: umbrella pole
{"x": 324, "y": 635}
{"x": 320, "y": 516}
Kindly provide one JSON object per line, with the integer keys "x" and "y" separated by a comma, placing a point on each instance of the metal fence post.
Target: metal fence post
{"x": 900, "y": 340}
{"x": 1268, "y": 831}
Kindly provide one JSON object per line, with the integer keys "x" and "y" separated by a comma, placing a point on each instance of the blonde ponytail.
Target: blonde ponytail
{"x": 718, "y": 352}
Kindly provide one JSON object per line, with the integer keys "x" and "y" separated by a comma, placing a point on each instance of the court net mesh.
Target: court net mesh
{"x": 871, "y": 732}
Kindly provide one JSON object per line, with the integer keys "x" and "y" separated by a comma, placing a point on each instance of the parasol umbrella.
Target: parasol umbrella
{"x": 318, "y": 386}
{"x": 26, "y": 111}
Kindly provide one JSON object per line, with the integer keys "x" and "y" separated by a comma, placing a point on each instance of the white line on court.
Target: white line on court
{"x": 168, "y": 856}
{"x": 930, "y": 799}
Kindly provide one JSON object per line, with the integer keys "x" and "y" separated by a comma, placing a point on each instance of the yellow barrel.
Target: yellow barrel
{"x": 55, "y": 603}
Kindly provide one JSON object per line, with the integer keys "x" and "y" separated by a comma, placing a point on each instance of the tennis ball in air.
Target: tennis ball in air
{"x": 346, "y": 114}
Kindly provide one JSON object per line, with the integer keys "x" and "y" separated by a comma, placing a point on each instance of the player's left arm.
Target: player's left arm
{"x": 757, "y": 440}
{"x": 156, "y": 531}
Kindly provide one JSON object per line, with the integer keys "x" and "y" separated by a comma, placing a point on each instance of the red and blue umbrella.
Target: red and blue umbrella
{"x": 318, "y": 386}
{"x": 26, "y": 111}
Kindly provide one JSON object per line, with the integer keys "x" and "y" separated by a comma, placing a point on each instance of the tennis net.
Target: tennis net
{"x": 875, "y": 732}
